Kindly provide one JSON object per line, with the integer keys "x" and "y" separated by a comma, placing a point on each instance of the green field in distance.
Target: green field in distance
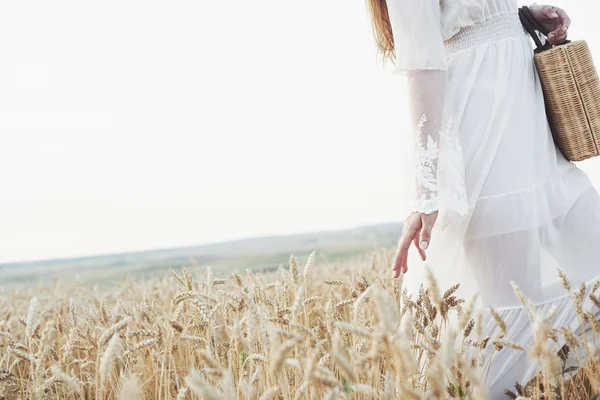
{"x": 259, "y": 254}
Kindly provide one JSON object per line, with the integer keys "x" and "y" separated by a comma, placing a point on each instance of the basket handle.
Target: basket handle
{"x": 531, "y": 25}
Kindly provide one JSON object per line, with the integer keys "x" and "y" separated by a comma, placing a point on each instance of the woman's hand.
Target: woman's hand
{"x": 554, "y": 19}
{"x": 416, "y": 229}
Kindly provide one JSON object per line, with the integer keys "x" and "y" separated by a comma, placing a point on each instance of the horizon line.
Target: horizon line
{"x": 158, "y": 249}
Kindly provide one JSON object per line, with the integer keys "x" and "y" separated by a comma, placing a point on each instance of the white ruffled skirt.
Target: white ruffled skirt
{"x": 530, "y": 210}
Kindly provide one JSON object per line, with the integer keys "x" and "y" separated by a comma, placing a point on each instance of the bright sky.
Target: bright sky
{"x": 131, "y": 125}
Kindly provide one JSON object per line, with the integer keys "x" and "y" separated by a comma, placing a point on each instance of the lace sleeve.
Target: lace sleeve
{"x": 426, "y": 96}
{"x": 433, "y": 156}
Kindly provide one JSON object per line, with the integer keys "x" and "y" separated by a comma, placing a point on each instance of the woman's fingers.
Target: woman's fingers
{"x": 425, "y": 237}
{"x": 400, "y": 264}
{"x": 549, "y": 12}
{"x": 417, "y": 229}
{"x": 410, "y": 231}
{"x": 421, "y": 251}
{"x": 564, "y": 18}
{"x": 562, "y": 23}
{"x": 558, "y": 36}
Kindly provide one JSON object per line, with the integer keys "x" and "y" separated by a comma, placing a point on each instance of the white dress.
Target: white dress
{"x": 480, "y": 150}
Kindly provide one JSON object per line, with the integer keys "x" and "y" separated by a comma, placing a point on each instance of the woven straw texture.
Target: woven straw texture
{"x": 572, "y": 95}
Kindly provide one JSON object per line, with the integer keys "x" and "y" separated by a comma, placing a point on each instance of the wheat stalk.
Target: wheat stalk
{"x": 279, "y": 335}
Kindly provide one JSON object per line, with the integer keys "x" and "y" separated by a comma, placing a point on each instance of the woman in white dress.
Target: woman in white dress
{"x": 490, "y": 198}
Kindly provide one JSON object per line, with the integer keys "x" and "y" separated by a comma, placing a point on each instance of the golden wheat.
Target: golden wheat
{"x": 349, "y": 332}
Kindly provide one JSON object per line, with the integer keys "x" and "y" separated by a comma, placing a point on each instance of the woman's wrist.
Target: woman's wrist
{"x": 426, "y": 204}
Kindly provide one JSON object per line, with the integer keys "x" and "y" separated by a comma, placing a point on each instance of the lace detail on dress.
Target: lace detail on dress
{"x": 435, "y": 163}
{"x": 439, "y": 171}
{"x": 426, "y": 171}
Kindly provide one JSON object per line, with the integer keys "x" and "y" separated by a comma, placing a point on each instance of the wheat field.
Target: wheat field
{"x": 343, "y": 330}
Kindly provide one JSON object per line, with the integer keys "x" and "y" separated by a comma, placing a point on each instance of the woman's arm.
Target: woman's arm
{"x": 426, "y": 95}
{"x": 421, "y": 58}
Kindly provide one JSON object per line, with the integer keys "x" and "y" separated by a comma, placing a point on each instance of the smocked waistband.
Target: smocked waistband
{"x": 496, "y": 28}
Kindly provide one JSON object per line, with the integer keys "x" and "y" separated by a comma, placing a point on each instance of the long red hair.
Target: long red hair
{"x": 382, "y": 28}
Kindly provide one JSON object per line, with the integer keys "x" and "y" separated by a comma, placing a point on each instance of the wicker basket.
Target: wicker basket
{"x": 571, "y": 92}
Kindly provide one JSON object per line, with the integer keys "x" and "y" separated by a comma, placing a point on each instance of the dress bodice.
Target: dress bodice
{"x": 455, "y": 14}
